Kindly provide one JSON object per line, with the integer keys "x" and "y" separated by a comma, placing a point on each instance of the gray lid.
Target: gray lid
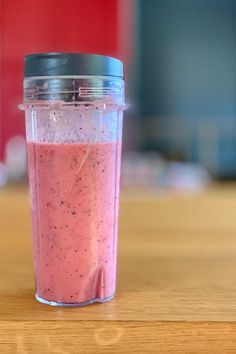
{"x": 59, "y": 64}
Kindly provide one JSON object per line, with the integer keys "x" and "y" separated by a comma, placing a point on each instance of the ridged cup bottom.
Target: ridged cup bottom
{"x": 73, "y": 304}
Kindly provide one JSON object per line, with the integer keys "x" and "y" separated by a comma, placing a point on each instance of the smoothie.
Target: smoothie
{"x": 74, "y": 201}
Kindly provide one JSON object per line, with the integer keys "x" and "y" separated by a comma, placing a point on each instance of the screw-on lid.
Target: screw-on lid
{"x": 58, "y": 64}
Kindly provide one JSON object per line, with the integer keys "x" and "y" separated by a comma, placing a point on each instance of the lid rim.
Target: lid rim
{"x": 72, "y": 64}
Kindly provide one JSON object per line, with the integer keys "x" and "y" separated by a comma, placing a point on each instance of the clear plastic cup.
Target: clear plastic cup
{"x": 74, "y": 135}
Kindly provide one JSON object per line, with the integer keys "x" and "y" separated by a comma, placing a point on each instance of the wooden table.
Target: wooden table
{"x": 176, "y": 281}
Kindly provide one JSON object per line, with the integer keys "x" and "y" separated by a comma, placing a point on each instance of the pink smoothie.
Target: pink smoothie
{"x": 74, "y": 200}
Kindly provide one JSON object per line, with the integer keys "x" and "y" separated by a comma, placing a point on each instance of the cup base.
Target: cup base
{"x": 73, "y": 304}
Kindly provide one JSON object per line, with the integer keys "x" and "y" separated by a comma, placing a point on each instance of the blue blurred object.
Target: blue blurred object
{"x": 188, "y": 81}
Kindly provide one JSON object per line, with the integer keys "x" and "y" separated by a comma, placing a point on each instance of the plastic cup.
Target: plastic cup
{"x": 74, "y": 136}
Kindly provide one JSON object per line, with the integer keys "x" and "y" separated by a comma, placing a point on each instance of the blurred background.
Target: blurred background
{"x": 180, "y": 72}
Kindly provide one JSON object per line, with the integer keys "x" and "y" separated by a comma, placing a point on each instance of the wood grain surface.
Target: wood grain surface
{"x": 176, "y": 286}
